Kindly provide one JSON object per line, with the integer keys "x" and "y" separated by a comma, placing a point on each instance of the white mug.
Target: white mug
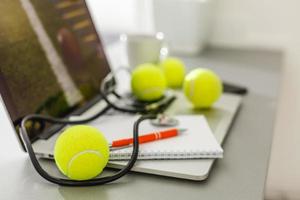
{"x": 144, "y": 48}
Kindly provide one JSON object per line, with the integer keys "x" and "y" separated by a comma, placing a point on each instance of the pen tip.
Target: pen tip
{"x": 182, "y": 130}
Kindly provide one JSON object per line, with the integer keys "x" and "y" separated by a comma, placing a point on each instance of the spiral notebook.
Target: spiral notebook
{"x": 197, "y": 142}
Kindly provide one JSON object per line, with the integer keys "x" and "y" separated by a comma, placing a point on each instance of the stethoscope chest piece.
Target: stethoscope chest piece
{"x": 164, "y": 120}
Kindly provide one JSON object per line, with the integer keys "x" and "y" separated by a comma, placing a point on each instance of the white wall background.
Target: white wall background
{"x": 114, "y": 15}
{"x": 238, "y": 23}
{"x": 256, "y": 23}
{"x": 122, "y": 15}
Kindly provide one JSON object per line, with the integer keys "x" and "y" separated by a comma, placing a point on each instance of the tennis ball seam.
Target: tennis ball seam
{"x": 99, "y": 154}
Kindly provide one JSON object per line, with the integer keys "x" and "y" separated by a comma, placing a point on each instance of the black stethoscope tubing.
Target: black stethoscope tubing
{"x": 154, "y": 108}
{"x": 92, "y": 182}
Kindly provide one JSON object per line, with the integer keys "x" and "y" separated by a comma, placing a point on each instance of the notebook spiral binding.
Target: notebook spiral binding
{"x": 160, "y": 155}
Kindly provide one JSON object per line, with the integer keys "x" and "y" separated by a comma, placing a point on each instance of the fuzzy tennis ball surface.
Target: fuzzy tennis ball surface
{"x": 148, "y": 82}
{"x": 174, "y": 70}
{"x": 202, "y": 87}
{"x": 81, "y": 152}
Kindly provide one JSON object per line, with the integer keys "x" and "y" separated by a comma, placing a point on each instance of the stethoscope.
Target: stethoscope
{"x": 149, "y": 111}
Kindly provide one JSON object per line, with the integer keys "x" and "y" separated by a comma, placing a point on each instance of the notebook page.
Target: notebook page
{"x": 197, "y": 142}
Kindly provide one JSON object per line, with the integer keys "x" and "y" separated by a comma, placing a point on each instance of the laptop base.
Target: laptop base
{"x": 220, "y": 118}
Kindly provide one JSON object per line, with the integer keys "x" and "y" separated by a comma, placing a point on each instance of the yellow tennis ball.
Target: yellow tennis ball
{"x": 202, "y": 87}
{"x": 148, "y": 82}
{"x": 81, "y": 152}
{"x": 174, "y": 70}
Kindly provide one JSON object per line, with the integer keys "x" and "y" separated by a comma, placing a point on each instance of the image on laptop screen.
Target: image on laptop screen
{"x": 51, "y": 58}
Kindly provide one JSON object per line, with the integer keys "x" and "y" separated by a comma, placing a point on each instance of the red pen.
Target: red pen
{"x": 148, "y": 137}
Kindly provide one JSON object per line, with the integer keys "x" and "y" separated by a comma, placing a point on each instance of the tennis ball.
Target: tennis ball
{"x": 148, "y": 82}
{"x": 174, "y": 71}
{"x": 81, "y": 152}
{"x": 202, "y": 87}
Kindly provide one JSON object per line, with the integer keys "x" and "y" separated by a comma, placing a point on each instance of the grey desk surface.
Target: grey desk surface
{"x": 240, "y": 175}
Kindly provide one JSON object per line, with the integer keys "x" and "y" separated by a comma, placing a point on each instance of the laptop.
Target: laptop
{"x": 54, "y": 66}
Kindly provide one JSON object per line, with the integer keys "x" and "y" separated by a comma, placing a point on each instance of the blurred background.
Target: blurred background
{"x": 265, "y": 24}
{"x": 237, "y": 35}
{"x": 259, "y": 26}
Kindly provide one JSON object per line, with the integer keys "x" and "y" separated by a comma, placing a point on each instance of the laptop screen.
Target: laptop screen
{"x": 51, "y": 58}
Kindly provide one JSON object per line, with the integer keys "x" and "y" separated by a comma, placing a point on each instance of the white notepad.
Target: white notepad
{"x": 197, "y": 142}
